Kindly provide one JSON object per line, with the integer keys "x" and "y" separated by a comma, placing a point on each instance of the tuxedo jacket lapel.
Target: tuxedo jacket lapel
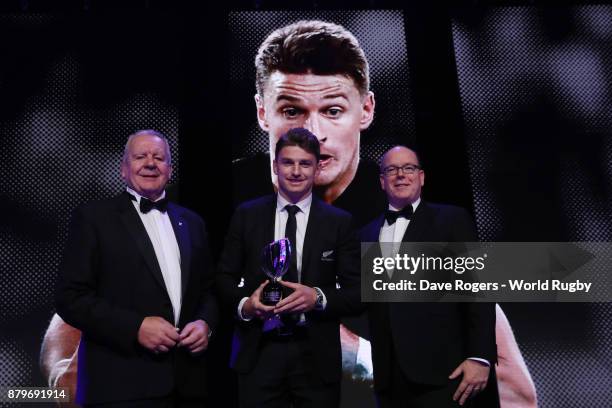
{"x": 372, "y": 231}
{"x": 313, "y": 229}
{"x": 137, "y": 230}
{"x": 264, "y": 221}
{"x": 420, "y": 221}
{"x": 181, "y": 232}
{"x": 269, "y": 220}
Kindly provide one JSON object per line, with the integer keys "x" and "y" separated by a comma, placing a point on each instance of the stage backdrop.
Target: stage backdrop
{"x": 535, "y": 95}
{"x": 536, "y": 92}
{"x": 71, "y": 90}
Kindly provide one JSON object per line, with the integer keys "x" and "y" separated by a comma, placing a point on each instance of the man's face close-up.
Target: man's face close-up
{"x": 296, "y": 170}
{"x": 401, "y": 188}
{"x": 146, "y": 168}
{"x": 329, "y": 106}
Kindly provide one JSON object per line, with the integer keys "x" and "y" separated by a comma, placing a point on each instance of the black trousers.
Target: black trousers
{"x": 403, "y": 393}
{"x": 285, "y": 376}
{"x": 406, "y": 394}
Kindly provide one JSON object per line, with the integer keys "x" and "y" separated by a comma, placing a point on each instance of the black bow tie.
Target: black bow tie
{"x": 391, "y": 216}
{"x": 147, "y": 205}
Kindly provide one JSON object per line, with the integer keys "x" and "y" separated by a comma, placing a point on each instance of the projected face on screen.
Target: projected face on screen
{"x": 314, "y": 74}
{"x": 331, "y": 107}
{"x": 314, "y": 70}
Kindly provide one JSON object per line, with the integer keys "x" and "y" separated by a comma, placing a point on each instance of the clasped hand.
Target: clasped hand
{"x": 301, "y": 300}
{"x": 159, "y": 336}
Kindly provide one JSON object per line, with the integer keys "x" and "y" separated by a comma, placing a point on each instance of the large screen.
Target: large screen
{"x": 535, "y": 97}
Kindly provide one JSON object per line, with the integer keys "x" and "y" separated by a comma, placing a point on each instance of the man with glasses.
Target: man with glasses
{"x": 426, "y": 354}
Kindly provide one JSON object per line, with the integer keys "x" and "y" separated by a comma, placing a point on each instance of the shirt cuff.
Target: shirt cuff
{"x": 324, "y": 302}
{"x": 363, "y": 365}
{"x": 209, "y": 329}
{"x": 239, "y": 311}
{"x": 480, "y": 360}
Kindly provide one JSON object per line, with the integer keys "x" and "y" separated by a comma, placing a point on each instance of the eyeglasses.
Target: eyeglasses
{"x": 408, "y": 169}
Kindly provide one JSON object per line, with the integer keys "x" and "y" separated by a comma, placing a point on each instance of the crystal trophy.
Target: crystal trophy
{"x": 275, "y": 262}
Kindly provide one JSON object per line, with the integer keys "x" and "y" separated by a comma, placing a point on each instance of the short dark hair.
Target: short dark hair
{"x": 302, "y": 138}
{"x": 312, "y": 46}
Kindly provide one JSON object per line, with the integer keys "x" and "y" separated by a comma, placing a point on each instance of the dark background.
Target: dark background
{"x": 509, "y": 103}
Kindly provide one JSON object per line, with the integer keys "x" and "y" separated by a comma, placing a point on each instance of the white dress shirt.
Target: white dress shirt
{"x": 394, "y": 233}
{"x": 301, "y": 219}
{"x": 160, "y": 232}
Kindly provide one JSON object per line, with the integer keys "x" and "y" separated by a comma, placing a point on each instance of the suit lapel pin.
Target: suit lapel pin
{"x": 326, "y": 255}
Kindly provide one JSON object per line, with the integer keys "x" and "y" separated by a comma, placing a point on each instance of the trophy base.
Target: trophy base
{"x": 272, "y": 293}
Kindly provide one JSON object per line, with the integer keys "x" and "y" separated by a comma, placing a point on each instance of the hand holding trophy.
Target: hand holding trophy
{"x": 275, "y": 262}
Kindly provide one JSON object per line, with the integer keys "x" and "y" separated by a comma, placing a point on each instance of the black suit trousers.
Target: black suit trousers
{"x": 403, "y": 393}
{"x": 285, "y": 376}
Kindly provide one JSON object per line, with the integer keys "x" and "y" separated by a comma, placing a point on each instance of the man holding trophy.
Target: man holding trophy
{"x": 287, "y": 351}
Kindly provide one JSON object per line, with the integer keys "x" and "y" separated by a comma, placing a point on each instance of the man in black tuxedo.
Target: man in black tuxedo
{"x": 297, "y": 362}
{"x": 136, "y": 279}
{"x": 427, "y": 354}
